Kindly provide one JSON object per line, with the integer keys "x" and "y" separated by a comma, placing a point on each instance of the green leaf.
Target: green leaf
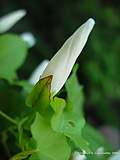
{"x": 68, "y": 117}
{"x": 75, "y": 92}
{"x": 39, "y": 98}
{"x": 57, "y": 121}
{"x": 51, "y": 145}
{"x": 65, "y": 121}
{"x": 13, "y": 51}
{"x": 68, "y": 123}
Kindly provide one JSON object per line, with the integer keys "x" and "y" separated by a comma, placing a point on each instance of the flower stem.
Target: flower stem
{"x": 8, "y": 117}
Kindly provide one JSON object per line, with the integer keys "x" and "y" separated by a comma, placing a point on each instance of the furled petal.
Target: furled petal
{"x": 62, "y": 63}
{"x": 34, "y": 78}
{"x": 29, "y": 38}
{"x": 7, "y": 21}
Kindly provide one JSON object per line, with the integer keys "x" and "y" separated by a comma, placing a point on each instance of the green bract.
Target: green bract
{"x": 39, "y": 98}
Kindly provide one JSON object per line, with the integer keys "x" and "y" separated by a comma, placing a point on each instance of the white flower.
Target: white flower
{"x": 7, "y": 21}
{"x": 29, "y": 38}
{"x": 77, "y": 156}
{"x": 34, "y": 78}
{"x": 62, "y": 63}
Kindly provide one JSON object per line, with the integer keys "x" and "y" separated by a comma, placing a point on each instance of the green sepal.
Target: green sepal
{"x": 39, "y": 98}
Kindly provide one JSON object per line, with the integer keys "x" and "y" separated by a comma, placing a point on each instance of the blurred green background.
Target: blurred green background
{"x": 52, "y": 22}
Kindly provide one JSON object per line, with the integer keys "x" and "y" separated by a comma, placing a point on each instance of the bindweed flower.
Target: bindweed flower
{"x": 29, "y": 38}
{"x": 34, "y": 78}
{"x": 9, "y": 20}
{"x": 62, "y": 63}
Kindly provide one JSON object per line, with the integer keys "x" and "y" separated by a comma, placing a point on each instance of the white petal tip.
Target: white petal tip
{"x": 23, "y": 12}
{"x": 91, "y": 21}
{"x": 20, "y": 13}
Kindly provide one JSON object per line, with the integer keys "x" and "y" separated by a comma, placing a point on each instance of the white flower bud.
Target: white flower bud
{"x": 62, "y": 63}
{"x": 9, "y": 20}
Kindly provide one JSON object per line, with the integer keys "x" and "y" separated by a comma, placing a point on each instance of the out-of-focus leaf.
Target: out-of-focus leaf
{"x": 25, "y": 84}
{"x": 50, "y": 145}
{"x": 96, "y": 141}
{"x": 13, "y": 51}
{"x": 12, "y": 102}
{"x": 34, "y": 156}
